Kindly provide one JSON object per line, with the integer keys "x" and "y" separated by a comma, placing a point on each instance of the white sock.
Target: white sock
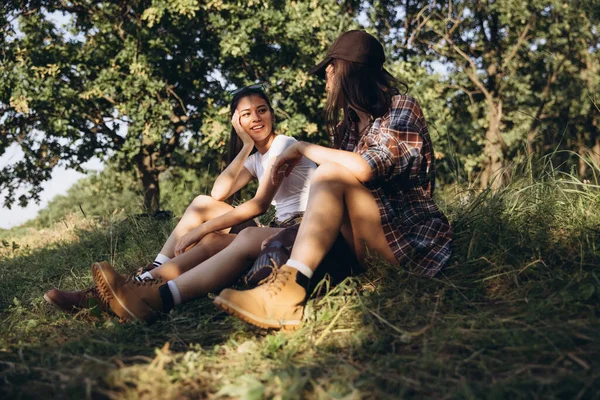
{"x": 160, "y": 260}
{"x": 174, "y": 292}
{"x": 300, "y": 266}
{"x": 144, "y": 276}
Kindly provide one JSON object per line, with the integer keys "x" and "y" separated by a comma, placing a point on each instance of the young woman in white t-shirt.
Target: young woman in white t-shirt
{"x": 209, "y": 225}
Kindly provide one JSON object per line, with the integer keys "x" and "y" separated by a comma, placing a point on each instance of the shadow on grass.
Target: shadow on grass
{"x": 515, "y": 315}
{"x": 46, "y": 353}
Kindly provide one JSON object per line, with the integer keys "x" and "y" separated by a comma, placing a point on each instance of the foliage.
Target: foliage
{"x": 521, "y": 78}
{"x": 143, "y": 82}
{"x": 106, "y": 83}
{"x": 514, "y": 316}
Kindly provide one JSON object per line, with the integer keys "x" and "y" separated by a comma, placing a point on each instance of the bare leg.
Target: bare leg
{"x": 202, "y": 209}
{"x": 210, "y": 245}
{"x": 225, "y": 267}
{"x": 339, "y": 202}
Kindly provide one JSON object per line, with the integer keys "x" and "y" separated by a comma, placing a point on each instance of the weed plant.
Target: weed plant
{"x": 515, "y": 314}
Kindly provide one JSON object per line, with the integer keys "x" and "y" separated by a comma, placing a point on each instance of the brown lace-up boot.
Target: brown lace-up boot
{"x": 278, "y": 303}
{"x": 72, "y": 302}
{"x": 128, "y": 298}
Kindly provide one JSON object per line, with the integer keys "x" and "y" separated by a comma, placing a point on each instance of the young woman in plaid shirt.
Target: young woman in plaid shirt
{"x": 374, "y": 186}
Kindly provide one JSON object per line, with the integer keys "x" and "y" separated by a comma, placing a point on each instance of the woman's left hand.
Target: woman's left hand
{"x": 188, "y": 240}
{"x": 285, "y": 163}
{"x": 243, "y": 135}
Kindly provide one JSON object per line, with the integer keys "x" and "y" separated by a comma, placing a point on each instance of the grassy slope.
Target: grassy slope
{"x": 514, "y": 316}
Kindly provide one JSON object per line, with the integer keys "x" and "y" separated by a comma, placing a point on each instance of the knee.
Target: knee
{"x": 248, "y": 240}
{"x": 330, "y": 173}
{"x": 210, "y": 239}
{"x": 247, "y": 235}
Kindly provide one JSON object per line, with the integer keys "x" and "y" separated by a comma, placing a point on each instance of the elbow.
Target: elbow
{"x": 260, "y": 207}
{"x": 221, "y": 188}
{"x": 218, "y": 195}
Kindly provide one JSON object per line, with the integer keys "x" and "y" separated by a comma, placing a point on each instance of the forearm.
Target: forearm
{"x": 225, "y": 181}
{"x": 351, "y": 161}
{"x": 242, "y": 213}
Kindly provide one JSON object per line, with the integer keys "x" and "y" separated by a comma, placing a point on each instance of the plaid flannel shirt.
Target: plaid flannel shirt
{"x": 398, "y": 149}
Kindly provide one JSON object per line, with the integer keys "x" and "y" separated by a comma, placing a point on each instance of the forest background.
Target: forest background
{"x": 510, "y": 92}
{"x": 144, "y": 85}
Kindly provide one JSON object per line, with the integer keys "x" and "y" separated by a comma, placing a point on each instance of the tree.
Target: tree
{"x": 67, "y": 93}
{"x": 143, "y": 81}
{"x": 507, "y": 59}
{"x": 565, "y": 72}
{"x": 276, "y": 43}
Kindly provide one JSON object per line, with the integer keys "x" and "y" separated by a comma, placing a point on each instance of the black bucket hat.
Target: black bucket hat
{"x": 355, "y": 46}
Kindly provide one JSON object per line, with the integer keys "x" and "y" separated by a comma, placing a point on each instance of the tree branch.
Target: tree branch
{"x": 172, "y": 92}
{"x": 472, "y": 71}
{"x": 415, "y": 33}
{"x": 467, "y": 92}
{"x": 520, "y": 41}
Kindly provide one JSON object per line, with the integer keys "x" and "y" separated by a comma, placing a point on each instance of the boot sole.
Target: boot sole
{"x": 107, "y": 292}
{"x": 286, "y": 325}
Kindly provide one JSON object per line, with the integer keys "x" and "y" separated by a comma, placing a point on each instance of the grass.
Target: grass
{"x": 515, "y": 315}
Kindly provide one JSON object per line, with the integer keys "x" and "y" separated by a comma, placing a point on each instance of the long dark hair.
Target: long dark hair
{"x": 364, "y": 88}
{"x": 235, "y": 143}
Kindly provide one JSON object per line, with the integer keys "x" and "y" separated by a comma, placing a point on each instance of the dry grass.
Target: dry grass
{"x": 514, "y": 316}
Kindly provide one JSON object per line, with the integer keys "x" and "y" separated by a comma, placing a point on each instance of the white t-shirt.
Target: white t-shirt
{"x": 292, "y": 195}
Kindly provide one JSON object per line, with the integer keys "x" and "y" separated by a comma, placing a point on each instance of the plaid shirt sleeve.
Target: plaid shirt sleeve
{"x": 393, "y": 145}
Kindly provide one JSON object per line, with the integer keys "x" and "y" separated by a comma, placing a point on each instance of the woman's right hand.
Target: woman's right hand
{"x": 188, "y": 240}
{"x": 285, "y": 163}
{"x": 243, "y": 135}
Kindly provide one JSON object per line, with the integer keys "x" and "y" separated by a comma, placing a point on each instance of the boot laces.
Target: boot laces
{"x": 274, "y": 282}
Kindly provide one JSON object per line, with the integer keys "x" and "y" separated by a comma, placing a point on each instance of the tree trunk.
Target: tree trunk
{"x": 494, "y": 149}
{"x": 149, "y": 173}
{"x": 151, "y": 191}
{"x": 595, "y": 153}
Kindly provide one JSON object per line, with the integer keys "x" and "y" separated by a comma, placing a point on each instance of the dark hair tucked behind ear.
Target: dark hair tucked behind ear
{"x": 235, "y": 143}
{"x": 364, "y": 88}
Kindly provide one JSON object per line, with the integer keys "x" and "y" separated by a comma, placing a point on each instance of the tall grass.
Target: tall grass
{"x": 515, "y": 314}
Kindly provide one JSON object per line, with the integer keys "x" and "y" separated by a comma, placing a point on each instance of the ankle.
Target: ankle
{"x": 160, "y": 260}
{"x": 166, "y": 298}
{"x": 301, "y": 267}
{"x": 146, "y": 275}
{"x": 170, "y": 296}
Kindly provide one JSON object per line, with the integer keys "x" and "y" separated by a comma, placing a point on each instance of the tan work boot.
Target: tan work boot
{"x": 276, "y": 304}
{"x": 128, "y": 298}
